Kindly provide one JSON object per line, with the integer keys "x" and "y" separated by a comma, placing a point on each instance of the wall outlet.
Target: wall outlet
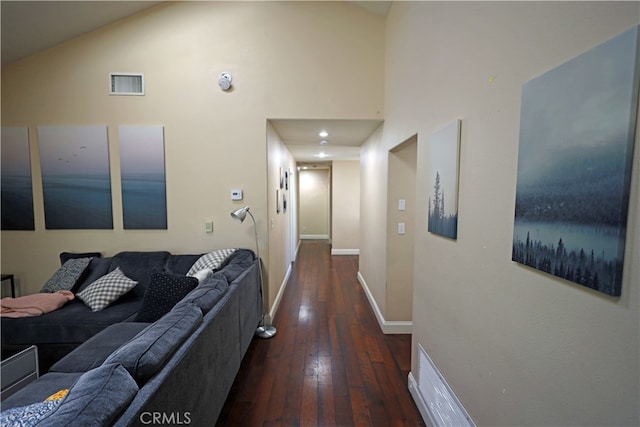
{"x": 401, "y": 228}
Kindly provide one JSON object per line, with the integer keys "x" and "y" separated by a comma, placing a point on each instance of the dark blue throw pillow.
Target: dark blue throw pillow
{"x": 164, "y": 291}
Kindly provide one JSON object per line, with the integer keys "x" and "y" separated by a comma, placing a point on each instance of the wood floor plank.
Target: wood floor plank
{"x": 329, "y": 364}
{"x": 360, "y": 405}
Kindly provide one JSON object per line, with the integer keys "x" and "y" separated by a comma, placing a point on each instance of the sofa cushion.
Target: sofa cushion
{"x": 212, "y": 260}
{"x": 40, "y": 389}
{"x": 237, "y": 264}
{"x": 65, "y": 278}
{"x": 72, "y": 324}
{"x": 148, "y": 351}
{"x": 180, "y": 264}
{"x": 97, "y": 268}
{"x": 139, "y": 265}
{"x": 96, "y": 399}
{"x": 66, "y": 256}
{"x": 106, "y": 290}
{"x": 208, "y": 293}
{"x": 93, "y": 352}
{"x": 164, "y": 291}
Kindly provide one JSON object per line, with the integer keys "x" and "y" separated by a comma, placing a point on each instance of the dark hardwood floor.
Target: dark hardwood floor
{"x": 329, "y": 364}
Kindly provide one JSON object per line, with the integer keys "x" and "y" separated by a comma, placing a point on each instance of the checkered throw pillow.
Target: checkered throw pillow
{"x": 106, "y": 290}
{"x": 210, "y": 261}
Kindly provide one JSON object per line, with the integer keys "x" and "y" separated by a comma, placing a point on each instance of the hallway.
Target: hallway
{"x": 329, "y": 364}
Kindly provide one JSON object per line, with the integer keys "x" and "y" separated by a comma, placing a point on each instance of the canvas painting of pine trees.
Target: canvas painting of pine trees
{"x": 577, "y": 128}
{"x": 443, "y": 175}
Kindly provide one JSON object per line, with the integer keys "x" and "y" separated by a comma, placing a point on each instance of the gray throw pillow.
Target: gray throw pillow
{"x": 67, "y": 276}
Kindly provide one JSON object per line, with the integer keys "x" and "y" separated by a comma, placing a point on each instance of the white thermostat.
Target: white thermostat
{"x": 236, "y": 194}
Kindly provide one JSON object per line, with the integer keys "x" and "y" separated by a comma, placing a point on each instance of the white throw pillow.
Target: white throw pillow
{"x": 212, "y": 260}
{"x": 202, "y": 274}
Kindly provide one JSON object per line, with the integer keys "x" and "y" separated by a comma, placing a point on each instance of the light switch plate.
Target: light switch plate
{"x": 236, "y": 194}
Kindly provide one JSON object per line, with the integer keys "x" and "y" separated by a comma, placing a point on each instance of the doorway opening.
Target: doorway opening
{"x": 401, "y": 229}
{"x": 314, "y": 209}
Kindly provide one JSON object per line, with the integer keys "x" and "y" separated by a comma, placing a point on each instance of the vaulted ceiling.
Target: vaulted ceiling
{"x": 31, "y": 26}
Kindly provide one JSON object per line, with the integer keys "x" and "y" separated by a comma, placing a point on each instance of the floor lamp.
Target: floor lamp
{"x": 263, "y": 331}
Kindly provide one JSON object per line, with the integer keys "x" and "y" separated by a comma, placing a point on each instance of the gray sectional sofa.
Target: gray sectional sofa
{"x": 176, "y": 370}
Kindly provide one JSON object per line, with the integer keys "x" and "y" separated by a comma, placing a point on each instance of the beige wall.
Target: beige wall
{"x": 345, "y": 218}
{"x": 283, "y": 58}
{"x": 282, "y": 235}
{"x": 373, "y": 225}
{"x": 315, "y": 203}
{"x": 517, "y": 346}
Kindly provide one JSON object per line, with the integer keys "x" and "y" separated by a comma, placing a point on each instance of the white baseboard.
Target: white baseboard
{"x": 295, "y": 252}
{"x": 387, "y": 326}
{"x": 345, "y": 251}
{"x": 314, "y": 236}
{"x": 276, "y": 303}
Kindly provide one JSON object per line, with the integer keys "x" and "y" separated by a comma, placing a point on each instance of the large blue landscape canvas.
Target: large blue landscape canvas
{"x": 577, "y": 133}
{"x": 16, "y": 188}
{"x": 142, "y": 170}
{"x": 76, "y": 183}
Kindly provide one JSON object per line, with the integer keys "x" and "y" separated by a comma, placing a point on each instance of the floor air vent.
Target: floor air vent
{"x": 444, "y": 408}
{"x": 126, "y": 84}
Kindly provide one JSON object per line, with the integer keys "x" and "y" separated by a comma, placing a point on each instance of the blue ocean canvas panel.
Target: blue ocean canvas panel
{"x": 76, "y": 183}
{"x": 142, "y": 169}
{"x": 577, "y": 133}
{"x": 16, "y": 188}
{"x": 443, "y": 174}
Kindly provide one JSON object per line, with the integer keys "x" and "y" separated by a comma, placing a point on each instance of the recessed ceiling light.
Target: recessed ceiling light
{"x": 323, "y": 142}
{"x": 323, "y": 134}
{"x": 321, "y": 155}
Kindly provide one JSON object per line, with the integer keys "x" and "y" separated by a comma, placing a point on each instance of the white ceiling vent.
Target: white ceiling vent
{"x": 126, "y": 84}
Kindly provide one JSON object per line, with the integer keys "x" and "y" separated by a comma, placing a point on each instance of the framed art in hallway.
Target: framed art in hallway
{"x": 16, "y": 184}
{"x": 281, "y": 177}
{"x": 574, "y": 166}
{"x": 444, "y": 151}
{"x": 76, "y": 182}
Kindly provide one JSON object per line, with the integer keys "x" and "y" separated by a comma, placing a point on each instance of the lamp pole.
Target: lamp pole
{"x": 263, "y": 330}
